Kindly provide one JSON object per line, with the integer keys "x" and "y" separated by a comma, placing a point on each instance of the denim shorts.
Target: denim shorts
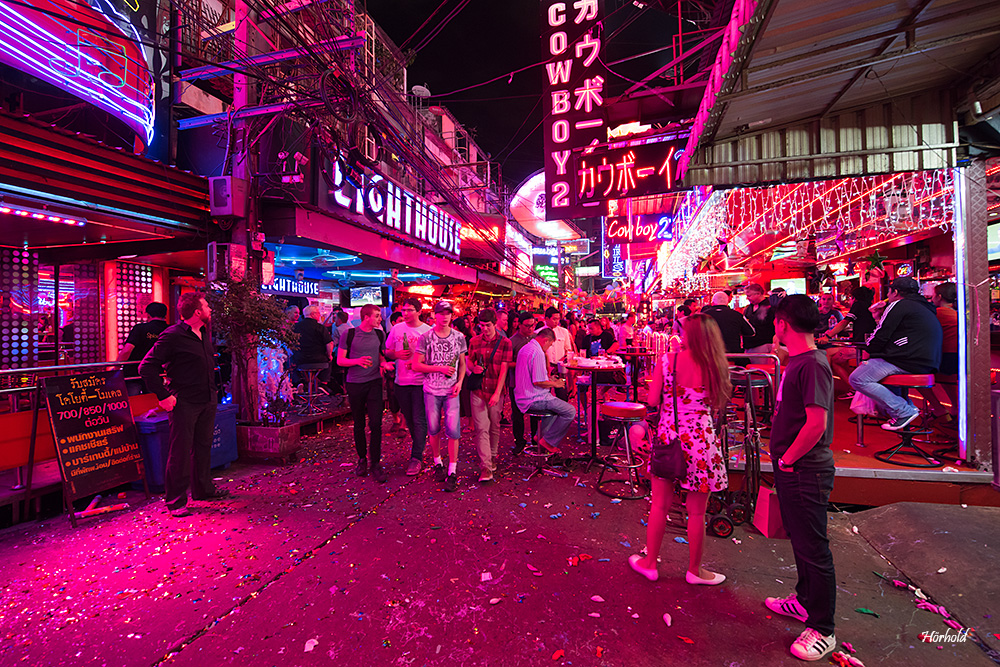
{"x": 445, "y": 409}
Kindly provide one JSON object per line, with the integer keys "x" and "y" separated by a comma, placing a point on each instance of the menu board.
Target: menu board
{"x": 94, "y": 433}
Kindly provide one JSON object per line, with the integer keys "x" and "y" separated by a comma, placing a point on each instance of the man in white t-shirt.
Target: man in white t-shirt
{"x": 626, "y": 332}
{"x": 563, "y": 343}
{"x": 400, "y": 347}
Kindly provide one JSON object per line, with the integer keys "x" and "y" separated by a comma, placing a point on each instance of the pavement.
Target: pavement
{"x": 309, "y": 565}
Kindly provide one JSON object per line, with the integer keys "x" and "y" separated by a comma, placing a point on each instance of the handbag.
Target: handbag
{"x": 667, "y": 460}
{"x": 475, "y": 380}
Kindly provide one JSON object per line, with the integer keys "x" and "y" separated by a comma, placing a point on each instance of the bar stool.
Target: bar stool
{"x": 312, "y": 373}
{"x": 906, "y": 446}
{"x": 766, "y": 371}
{"x": 540, "y": 457}
{"x": 624, "y": 414}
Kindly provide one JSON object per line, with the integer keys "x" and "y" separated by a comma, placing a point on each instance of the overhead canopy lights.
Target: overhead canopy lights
{"x": 44, "y": 216}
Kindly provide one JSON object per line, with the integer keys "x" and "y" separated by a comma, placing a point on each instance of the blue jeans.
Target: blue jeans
{"x": 866, "y": 378}
{"x": 553, "y": 429}
{"x": 802, "y": 498}
{"x": 446, "y": 409}
{"x": 411, "y": 404}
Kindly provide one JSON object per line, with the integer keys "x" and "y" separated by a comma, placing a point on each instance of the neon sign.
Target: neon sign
{"x": 381, "y": 201}
{"x": 640, "y": 228}
{"x": 632, "y": 171}
{"x": 47, "y": 216}
{"x": 574, "y": 94}
{"x": 95, "y": 54}
{"x": 292, "y": 287}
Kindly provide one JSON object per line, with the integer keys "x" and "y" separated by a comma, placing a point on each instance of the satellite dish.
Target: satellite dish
{"x": 420, "y": 91}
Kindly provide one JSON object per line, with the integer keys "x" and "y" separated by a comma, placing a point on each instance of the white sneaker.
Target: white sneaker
{"x": 811, "y": 645}
{"x": 789, "y": 606}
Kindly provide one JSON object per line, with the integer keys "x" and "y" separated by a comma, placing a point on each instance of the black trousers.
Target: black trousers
{"x": 366, "y": 400}
{"x": 191, "y": 430}
{"x": 516, "y": 417}
{"x": 802, "y": 497}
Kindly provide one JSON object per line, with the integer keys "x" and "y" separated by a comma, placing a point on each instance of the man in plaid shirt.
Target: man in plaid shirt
{"x": 487, "y": 402}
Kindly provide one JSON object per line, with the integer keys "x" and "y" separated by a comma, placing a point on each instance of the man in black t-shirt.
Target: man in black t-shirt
{"x": 140, "y": 341}
{"x": 801, "y": 433}
{"x": 315, "y": 344}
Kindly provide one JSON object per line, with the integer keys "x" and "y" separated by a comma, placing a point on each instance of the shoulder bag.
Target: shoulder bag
{"x": 475, "y": 380}
{"x": 667, "y": 459}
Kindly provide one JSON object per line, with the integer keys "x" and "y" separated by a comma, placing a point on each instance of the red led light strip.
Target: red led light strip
{"x": 36, "y": 214}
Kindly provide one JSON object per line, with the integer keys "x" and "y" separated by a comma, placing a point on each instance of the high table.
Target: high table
{"x": 594, "y": 436}
{"x": 636, "y": 357}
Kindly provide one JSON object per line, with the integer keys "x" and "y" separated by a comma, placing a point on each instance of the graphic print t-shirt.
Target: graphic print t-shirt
{"x": 440, "y": 351}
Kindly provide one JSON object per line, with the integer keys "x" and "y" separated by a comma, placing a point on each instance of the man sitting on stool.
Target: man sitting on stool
{"x": 906, "y": 341}
{"x": 315, "y": 345}
{"x": 533, "y": 391}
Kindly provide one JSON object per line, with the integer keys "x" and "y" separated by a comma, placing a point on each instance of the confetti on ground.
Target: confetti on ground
{"x": 615, "y": 501}
{"x": 686, "y": 640}
{"x": 625, "y": 544}
{"x": 494, "y": 600}
{"x": 681, "y": 540}
{"x": 668, "y": 620}
{"x": 558, "y": 654}
{"x": 555, "y": 516}
{"x": 310, "y": 645}
{"x": 849, "y": 647}
{"x": 486, "y": 576}
{"x": 863, "y": 610}
{"x": 594, "y": 515}
{"x": 594, "y": 614}
{"x": 600, "y": 651}
{"x": 942, "y": 570}
{"x": 597, "y": 598}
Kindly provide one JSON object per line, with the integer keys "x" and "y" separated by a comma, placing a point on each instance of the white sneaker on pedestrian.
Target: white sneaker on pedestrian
{"x": 811, "y": 645}
{"x": 789, "y": 606}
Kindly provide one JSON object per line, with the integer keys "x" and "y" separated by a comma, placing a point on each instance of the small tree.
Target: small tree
{"x": 249, "y": 320}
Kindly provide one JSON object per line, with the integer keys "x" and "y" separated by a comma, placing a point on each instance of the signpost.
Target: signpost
{"x": 94, "y": 434}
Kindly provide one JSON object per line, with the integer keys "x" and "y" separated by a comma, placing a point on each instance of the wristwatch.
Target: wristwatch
{"x": 782, "y": 465}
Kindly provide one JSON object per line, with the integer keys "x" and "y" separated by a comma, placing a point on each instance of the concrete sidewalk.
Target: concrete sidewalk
{"x": 309, "y": 565}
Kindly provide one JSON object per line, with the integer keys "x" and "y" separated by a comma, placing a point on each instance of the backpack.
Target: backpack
{"x": 378, "y": 332}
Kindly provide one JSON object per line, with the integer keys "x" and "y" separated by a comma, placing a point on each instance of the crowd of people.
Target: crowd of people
{"x": 437, "y": 369}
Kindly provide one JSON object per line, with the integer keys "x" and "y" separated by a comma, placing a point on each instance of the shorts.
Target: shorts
{"x": 446, "y": 409}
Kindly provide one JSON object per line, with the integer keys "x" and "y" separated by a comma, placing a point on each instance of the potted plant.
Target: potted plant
{"x": 257, "y": 333}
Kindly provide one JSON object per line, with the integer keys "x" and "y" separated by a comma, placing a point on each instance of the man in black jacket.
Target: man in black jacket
{"x": 734, "y": 326}
{"x": 186, "y": 352}
{"x": 906, "y": 341}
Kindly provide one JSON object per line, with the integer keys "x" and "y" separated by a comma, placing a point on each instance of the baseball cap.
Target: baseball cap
{"x": 442, "y": 306}
{"x": 905, "y": 284}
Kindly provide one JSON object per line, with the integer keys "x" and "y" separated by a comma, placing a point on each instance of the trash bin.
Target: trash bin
{"x": 154, "y": 441}
{"x": 224, "y": 449}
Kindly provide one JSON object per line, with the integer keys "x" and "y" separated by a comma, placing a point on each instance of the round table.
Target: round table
{"x": 593, "y": 404}
{"x": 636, "y": 356}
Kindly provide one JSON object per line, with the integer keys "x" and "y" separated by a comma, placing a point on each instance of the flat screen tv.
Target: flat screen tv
{"x": 356, "y": 297}
{"x": 790, "y": 285}
{"x": 993, "y": 242}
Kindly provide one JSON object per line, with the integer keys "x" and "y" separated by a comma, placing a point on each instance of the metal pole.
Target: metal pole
{"x": 55, "y": 312}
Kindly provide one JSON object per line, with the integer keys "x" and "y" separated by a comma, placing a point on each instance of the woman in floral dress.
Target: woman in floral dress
{"x": 700, "y": 374}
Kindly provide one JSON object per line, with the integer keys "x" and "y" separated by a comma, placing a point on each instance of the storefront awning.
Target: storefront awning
{"x": 806, "y": 90}
{"x": 308, "y": 227}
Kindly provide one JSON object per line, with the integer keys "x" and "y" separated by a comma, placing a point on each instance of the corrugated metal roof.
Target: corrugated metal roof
{"x": 817, "y": 58}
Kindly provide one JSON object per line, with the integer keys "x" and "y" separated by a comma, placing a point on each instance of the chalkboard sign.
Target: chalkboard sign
{"x": 94, "y": 433}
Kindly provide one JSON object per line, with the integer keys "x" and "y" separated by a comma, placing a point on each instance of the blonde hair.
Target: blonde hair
{"x": 704, "y": 340}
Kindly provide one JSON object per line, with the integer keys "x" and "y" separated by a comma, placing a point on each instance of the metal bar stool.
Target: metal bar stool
{"x": 312, "y": 373}
{"x": 906, "y": 446}
{"x": 541, "y": 459}
{"x": 624, "y": 414}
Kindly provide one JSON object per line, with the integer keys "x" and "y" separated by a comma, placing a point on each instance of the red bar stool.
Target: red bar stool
{"x": 907, "y": 446}
{"x": 622, "y": 457}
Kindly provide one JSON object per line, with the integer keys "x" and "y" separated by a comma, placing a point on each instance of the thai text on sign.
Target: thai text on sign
{"x": 94, "y": 432}
{"x": 631, "y": 171}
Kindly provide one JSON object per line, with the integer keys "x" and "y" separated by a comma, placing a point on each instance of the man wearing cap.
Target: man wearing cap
{"x": 907, "y": 340}
{"x": 441, "y": 357}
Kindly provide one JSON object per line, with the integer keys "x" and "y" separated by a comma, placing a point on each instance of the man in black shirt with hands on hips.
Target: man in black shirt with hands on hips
{"x": 801, "y": 434}
{"x": 186, "y": 352}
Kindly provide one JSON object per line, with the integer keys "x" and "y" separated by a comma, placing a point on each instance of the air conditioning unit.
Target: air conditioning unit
{"x": 227, "y": 197}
